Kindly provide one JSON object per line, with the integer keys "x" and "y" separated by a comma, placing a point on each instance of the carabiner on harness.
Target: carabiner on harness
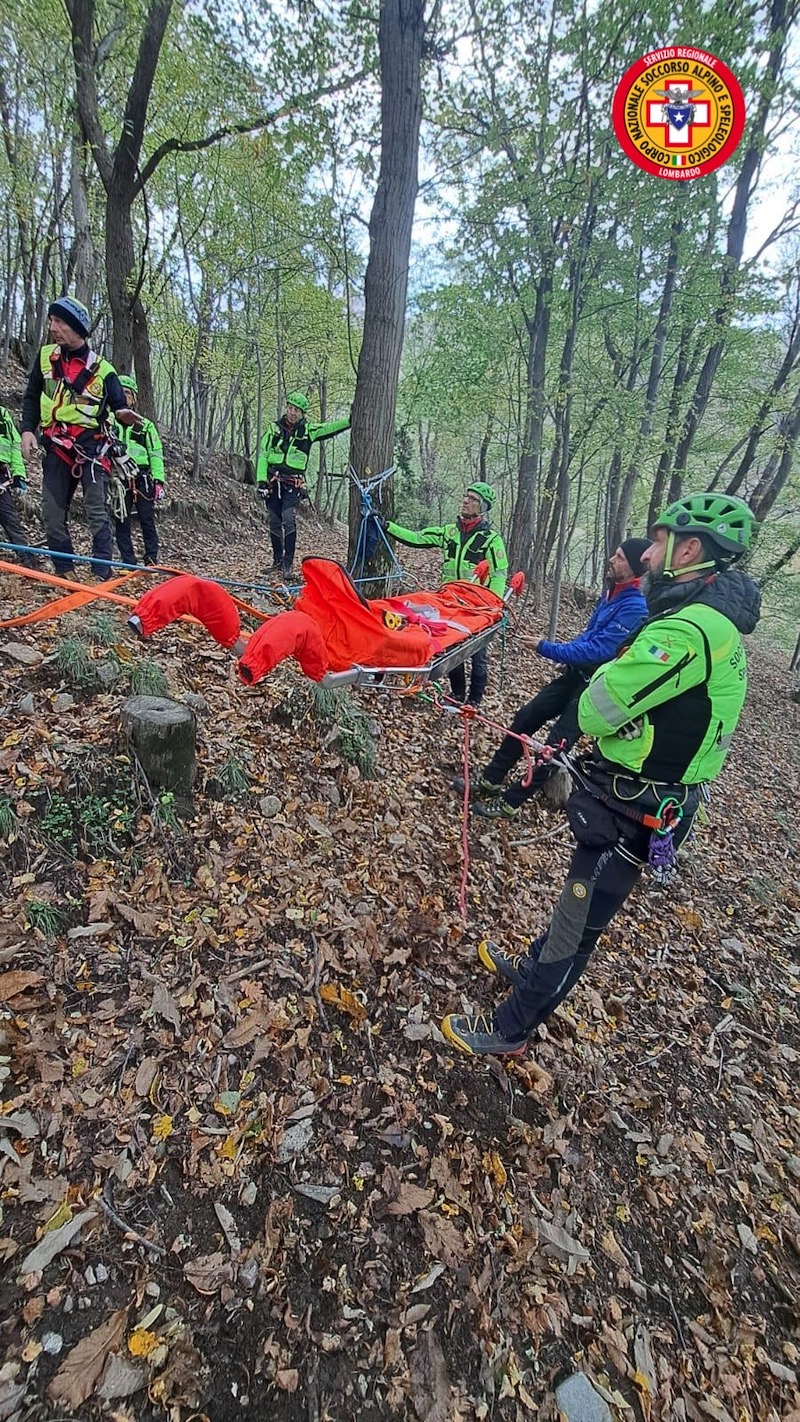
{"x": 661, "y": 852}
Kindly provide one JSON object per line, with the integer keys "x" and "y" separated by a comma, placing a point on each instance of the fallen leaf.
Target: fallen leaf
{"x": 557, "y": 1238}
{"x": 121, "y": 1378}
{"x": 229, "y": 1229}
{"x": 163, "y": 1005}
{"x": 342, "y": 998}
{"x": 145, "y": 1076}
{"x": 142, "y": 1342}
{"x": 208, "y": 1273}
{"x": 287, "y": 1379}
{"x": 294, "y": 1141}
{"x": 747, "y": 1238}
{"x": 16, "y": 982}
{"x": 430, "y": 1384}
{"x": 22, "y": 1122}
{"x": 52, "y": 1244}
{"x": 323, "y": 1194}
{"x": 410, "y": 1199}
{"x": 75, "y": 1380}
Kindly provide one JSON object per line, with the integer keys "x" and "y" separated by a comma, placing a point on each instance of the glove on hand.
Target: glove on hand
{"x": 158, "y": 492}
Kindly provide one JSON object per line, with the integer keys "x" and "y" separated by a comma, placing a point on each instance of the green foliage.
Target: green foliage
{"x": 102, "y": 629}
{"x": 44, "y": 917}
{"x": 147, "y": 678}
{"x": 354, "y": 731}
{"x": 9, "y": 821}
{"x": 74, "y": 661}
{"x": 165, "y": 810}
{"x": 57, "y": 823}
{"x": 233, "y": 777}
{"x": 103, "y": 821}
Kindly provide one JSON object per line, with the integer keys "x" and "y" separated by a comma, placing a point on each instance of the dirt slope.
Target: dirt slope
{"x": 288, "y": 1197}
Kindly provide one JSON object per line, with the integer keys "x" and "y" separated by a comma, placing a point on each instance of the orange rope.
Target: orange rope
{"x": 79, "y": 594}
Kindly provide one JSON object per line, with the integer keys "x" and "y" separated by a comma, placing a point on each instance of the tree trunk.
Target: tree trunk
{"x": 400, "y": 40}
{"x": 522, "y": 524}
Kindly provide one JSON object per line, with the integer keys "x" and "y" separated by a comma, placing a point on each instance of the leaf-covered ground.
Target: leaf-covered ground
{"x": 241, "y": 1174}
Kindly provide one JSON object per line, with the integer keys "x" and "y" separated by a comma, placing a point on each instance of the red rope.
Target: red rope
{"x": 467, "y": 713}
{"x": 532, "y": 750}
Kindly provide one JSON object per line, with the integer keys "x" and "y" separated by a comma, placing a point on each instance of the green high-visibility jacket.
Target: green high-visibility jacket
{"x": 462, "y": 551}
{"x": 284, "y": 453}
{"x": 667, "y": 708}
{"x": 10, "y": 451}
{"x": 144, "y": 445}
{"x": 62, "y": 405}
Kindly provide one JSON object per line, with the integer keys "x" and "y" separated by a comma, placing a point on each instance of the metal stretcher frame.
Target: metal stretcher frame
{"x": 398, "y": 676}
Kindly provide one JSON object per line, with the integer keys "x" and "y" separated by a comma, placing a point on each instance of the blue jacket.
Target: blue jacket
{"x": 618, "y": 614}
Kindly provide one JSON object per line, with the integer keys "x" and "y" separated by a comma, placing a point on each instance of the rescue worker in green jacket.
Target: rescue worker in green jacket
{"x": 465, "y": 543}
{"x": 663, "y": 715}
{"x": 72, "y": 393}
{"x": 281, "y": 473}
{"x": 143, "y": 444}
{"x": 13, "y": 482}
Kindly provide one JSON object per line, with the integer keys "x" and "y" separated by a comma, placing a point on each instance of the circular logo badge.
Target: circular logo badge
{"x": 679, "y": 113}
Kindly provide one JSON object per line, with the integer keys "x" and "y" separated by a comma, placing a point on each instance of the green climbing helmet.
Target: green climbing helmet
{"x": 727, "y": 522}
{"x": 295, "y": 397}
{"x": 485, "y": 493}
{"x": 128, "y": 382}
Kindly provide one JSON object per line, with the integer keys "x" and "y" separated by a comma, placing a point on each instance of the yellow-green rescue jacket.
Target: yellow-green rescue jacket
{"x": 462, "y": 551}
{"x": 82, "y": 405}
{"x": 667, "y": 707}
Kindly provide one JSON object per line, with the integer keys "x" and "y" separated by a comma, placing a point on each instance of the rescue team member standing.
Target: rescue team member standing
{"x": 465, "y": 543}
{"x": 71, "y": 394}
{"x": 281, "y": 473}
{"x": 664, "y": 714}
{"x": 619, "y": 613}
{"x": 143, "y": 443}
{"x": 12, "y": 482}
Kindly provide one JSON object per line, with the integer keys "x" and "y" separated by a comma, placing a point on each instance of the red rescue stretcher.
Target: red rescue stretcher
{"x": 339, "y": 637}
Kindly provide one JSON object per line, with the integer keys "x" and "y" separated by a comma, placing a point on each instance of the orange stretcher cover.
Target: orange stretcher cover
{"x": 354, "y": 631}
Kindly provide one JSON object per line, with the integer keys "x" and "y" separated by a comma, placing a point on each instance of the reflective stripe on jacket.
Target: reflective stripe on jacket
{"x": 144, "y": 445}
{"x": 667, "y": 708}
{"x": 287, "y": 452}
{"x": 462, "y": 551}
{"x": 81, "y": 403}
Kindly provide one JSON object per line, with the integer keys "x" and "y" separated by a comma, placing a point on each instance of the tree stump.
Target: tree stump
{"x": 163, "y": 735}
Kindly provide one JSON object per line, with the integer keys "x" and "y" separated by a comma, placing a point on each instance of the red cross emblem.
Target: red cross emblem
{"x": 678, "y": 98}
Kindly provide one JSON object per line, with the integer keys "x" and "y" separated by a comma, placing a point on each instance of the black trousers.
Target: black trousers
{"x": 282, "y": 505}
{"x": 144, "y": 505}
{"x": 13, "y": 526}
{"x": 599, "y": 879}
{"x": 559, "y": 699}
{"x": 478, "y": 677}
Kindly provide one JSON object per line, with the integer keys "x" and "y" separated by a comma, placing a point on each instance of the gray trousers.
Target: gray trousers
{"x": 58, "y": 488}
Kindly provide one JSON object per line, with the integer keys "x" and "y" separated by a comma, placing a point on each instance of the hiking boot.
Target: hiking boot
{"x": 497, "y": 808}
{"x": 478, "y": 1037}
{"x": 496, "y": 960}
{"x": 486, "y": 788}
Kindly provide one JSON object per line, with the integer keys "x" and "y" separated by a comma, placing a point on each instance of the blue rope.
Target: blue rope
{"x": 57, "y": 557}
{"x": 360, "y": 553}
